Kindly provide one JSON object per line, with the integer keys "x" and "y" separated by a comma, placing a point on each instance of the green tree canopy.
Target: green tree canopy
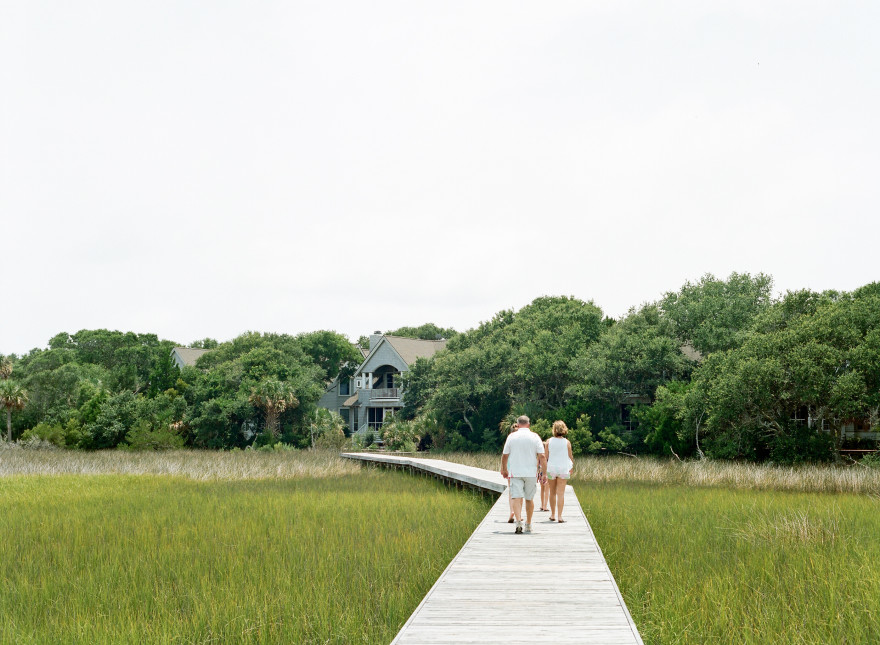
{"x": 428, "y": 331}
{"x": 714, "y": 315}
{"x": 332, "y": 352}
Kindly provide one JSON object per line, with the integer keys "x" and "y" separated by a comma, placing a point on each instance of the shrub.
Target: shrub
{"x": 53, "y": 433}
{"x": 609, "y": 440}
{"x": 144, "y": 437}
{"x": 401, "y": 435}
{"x": 543, "y": 429}
{"x": 871, "y": 460}
{"x": 580, "y": 436}
{"x": 801, "y": 445}
{"x": 326, "y": 429}
{"x": 331, "y": 440}
{"x": 278, "y": 446}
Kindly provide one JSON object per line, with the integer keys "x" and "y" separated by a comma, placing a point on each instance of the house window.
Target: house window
{"x": 626, "y": 418}
{"x": 345, "y": 414}
{"x": 344, "y": 388}
{"x": 389, "y": 380}
{"x": 375, "y": 417}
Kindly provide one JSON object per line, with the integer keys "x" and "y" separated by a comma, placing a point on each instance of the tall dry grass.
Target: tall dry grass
{"x": 246, "y": 465}
{"x": 743, "y": 476}
{"x": 200, "y": 465}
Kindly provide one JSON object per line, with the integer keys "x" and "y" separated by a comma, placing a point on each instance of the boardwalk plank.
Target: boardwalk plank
{"x": 550, "y": 586}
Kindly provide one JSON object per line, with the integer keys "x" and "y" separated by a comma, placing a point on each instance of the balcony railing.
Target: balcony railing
{"x": 385, "y": 393}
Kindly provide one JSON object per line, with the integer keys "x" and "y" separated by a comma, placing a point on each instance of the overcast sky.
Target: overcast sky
{"x": 202, "y": 168}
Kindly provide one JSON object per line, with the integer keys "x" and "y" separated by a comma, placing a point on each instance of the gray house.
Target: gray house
{"x": 186, "y": 356}
{"x": 373, "y": 395}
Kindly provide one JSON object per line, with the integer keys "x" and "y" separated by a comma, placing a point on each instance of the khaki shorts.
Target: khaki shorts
{"x": 523, "y": 487}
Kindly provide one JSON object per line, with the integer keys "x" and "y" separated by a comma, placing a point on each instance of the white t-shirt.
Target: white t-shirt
{"x": 523, "y": 446}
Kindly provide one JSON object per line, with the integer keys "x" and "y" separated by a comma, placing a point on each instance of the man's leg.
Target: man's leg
{"x": 516, "y": 498}
{"x": 530, "y": 486}
{"x": 517, "y": 508}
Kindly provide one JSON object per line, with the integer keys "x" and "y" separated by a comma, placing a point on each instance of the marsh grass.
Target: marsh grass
{"x": 731, "y": 475}
{"x": 256, "y": 554}
{"x": 202, "y": 465}
{"x": 712, "y": 565}
{"x": 792, "y": 527}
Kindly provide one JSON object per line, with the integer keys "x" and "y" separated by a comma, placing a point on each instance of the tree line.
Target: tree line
{"x": 719, "y": 368}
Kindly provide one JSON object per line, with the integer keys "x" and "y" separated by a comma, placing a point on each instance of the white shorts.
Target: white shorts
{"x": 523, "y": 487}
{"x": 561, "y": 474}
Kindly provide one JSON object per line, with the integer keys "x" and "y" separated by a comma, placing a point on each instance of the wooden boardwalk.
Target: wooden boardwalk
{"x": 550, "y": 586}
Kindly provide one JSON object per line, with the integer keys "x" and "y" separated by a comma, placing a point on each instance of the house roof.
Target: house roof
{"x": 189, "y": 355}
{"x": 691, "y": 352}
{"x": 412, "y": 348}
{"x": 350, "y": 401}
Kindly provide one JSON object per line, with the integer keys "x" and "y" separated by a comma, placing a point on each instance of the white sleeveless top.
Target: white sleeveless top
{"x": 559, "y": 461}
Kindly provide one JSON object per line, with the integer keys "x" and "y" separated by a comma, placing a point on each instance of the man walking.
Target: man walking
{"x": 523, "y": 450}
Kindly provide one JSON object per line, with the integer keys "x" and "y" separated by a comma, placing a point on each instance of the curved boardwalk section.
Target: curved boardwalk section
{"x": 550, "y": 586}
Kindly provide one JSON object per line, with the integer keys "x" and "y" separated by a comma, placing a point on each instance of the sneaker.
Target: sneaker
{"x": 518, "y": 526}
{"x": 528, "y": 528}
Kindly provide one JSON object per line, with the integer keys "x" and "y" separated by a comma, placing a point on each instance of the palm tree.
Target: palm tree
{"x": 274, "y": 397}
{"x": 5, "y": 368}
{"x": 12, "y": 397}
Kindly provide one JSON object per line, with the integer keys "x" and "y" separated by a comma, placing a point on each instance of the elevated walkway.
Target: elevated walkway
{"x": 550, "y": 586}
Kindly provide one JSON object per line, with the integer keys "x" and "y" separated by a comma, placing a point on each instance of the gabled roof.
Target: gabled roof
{"x": 692, "y": 353}
{"x": 412, "y": 348}
{"x": 409, "y": 349}
{"x": 189, "y": 355}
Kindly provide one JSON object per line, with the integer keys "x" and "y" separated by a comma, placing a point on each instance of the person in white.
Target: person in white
{"x": 522, "y": 453}
{"x": 559, "y": 464}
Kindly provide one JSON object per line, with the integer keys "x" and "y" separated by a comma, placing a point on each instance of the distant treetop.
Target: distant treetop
{"x": 428, "y": 331}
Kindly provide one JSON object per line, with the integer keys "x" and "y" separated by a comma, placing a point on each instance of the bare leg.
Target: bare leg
{"x": 517, "y": 508}
{"x": 545, "y": 495}
{"x": 552, "y": 495}
{"x": 510, "y": 501}
{"x": 560, "y": 497}
{"x": 530, "y": 508}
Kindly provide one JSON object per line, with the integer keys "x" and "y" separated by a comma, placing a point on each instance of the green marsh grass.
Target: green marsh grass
{"x": 96, "y": 559}
{"x": 713, "y": 565}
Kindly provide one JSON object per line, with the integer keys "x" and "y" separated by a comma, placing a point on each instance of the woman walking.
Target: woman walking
{"x": 559, "y": 466}
{"x": 545, "y": 486}
{"x": 509, "y": 498}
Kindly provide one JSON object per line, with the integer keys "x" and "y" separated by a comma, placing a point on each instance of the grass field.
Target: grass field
{"x": 189, "y": 547}
{"x": 156, "y": 559}
{"x": 712, "y": 565}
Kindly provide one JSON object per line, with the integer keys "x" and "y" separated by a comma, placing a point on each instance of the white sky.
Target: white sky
{"x": 203, "y": 168}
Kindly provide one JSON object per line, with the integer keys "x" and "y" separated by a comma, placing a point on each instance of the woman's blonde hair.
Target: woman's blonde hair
{"x": 559, "y": 429}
